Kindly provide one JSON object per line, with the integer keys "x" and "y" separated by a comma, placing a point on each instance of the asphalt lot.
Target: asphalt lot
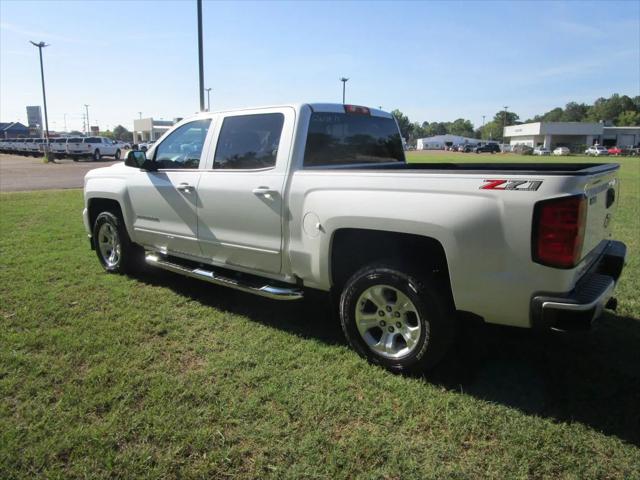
{"x": 19, "y": 173}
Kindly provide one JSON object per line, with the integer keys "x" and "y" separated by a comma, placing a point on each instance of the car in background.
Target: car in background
{"x": 597, "y": 151}
{"x": 488, "y": 148}
{"x": 146, "y": 145}
{"x": 541, "y": 151}
{"x": 93, "y": 147}
{"x": 58, "y": 147}
{"x": 615, "y": 151}
{"x": 561, "y": 151}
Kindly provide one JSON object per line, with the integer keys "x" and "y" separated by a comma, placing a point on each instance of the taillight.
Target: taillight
{"x": 356, "y": 110}
{"x": 558, "y": 231}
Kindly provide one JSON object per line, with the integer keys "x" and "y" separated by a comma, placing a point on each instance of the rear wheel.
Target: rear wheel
{"x": 116, "y": 252}
{"x": 396, "y": 319}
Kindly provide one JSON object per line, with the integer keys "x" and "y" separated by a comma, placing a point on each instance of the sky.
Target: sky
{"x": 435, "y": 61}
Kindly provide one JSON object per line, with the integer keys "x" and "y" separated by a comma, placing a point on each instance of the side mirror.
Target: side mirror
{"x": 138, "y": 159}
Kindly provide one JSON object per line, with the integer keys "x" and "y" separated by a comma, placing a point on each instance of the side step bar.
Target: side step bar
{"x": 269, "y": 291}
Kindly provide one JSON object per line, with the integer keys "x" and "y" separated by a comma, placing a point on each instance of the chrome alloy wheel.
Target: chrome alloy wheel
{"x": 109, "y": 244}
{"x": 388, "y": 321}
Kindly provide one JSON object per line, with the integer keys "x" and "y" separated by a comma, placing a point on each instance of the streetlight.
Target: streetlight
{"x": 344, "y": 81}
{"x": 200, "y": 55}
{"x": 208, "y": 99}
{"x": 140, "y": 115}
{"x": 40, "y": 46}
{"x": 65, "y": 123}
{"x": 86, "y": 108}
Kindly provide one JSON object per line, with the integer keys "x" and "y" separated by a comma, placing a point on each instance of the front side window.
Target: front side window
{"x": 183, "y": 147}
{"x": 341, "y": 138}
{"x": 249, "y": 141}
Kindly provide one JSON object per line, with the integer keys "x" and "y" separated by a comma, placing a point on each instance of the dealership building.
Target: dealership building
{"x": 438, "y": 142}
{"x": 571, "y": 134}
{"x": 149, "y": 129}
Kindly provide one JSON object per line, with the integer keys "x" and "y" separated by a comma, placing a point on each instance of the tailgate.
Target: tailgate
{"x": 602, "y": 200}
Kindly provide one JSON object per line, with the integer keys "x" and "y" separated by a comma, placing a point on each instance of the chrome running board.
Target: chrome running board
{"x": 263, "y": 290}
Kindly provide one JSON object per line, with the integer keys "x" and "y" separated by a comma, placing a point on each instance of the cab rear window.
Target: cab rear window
{"x": 342, "y": 139}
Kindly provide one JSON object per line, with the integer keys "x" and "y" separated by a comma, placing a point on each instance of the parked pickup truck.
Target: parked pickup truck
{"x": 94, "y": 148}
{"x": 273, "y": 201}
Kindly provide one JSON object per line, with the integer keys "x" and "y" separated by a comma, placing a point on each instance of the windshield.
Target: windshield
{"x": 340, "y": 139}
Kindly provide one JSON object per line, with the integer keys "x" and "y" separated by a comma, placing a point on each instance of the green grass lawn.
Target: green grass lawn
{"x": 165, "y": 377}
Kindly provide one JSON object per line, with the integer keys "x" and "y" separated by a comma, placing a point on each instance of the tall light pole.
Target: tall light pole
{"x": 140, "y": 115}
{"x": 86, "y": 108}
{"x": 208, "y": 99}
{"x": 40, "y": 46}
{"x": 200, "y": 55}
{"x": 344, "y": 81}
{"x": 65, "y": 122}
{"x": 504, "y": 122}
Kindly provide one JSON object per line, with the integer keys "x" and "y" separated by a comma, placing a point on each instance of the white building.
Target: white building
{"x": 148, "y": 129}
{"x": 438, "y": 142}
{"x": 567, "y": 134}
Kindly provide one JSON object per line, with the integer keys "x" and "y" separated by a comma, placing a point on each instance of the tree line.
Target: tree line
{"x": 619, "y": 110}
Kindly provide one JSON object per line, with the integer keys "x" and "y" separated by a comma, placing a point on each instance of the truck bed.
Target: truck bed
{"x": 507, "y": 168}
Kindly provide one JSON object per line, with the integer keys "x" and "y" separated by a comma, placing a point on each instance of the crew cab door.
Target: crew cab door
{"x": 241, "y": 191}
{"x": 165, "y": 201}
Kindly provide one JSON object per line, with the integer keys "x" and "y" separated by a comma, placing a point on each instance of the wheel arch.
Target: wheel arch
{"x": 352, "y": 248}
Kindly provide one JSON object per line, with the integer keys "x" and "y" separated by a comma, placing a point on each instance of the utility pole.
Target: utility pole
{"x": 86, "y": 108}
{"x": 200, "y": 55}
{"x": 344, "y": 81}
{"x": 140, "y": 115}
{"x": 504, "y": 122}
{"x": 208, "y": 99}
{"x": 65, "y": 123}
{"x": 40, "y": 46}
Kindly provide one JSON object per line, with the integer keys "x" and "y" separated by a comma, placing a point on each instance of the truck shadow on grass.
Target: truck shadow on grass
{"x": 590, "y": 377}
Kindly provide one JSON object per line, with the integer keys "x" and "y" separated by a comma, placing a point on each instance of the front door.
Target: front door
{"x": 241, "y": 197}
{"x": 165, "y": 201}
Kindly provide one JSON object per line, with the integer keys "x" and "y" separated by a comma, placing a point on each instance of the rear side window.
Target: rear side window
{"x": 92, "y": 140}
{"x": 341, "y": 139}
{"x": 249, "y": 141}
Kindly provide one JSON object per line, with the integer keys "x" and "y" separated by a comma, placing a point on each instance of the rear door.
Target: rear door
{"x": 165, "y": 201}
{"x": 241, "y": 191}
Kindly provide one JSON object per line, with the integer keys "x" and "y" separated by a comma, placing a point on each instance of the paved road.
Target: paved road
{"x": 19, "y": 173}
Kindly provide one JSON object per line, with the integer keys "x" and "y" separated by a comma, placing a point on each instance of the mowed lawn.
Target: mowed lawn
{"x": 159, "y": 376}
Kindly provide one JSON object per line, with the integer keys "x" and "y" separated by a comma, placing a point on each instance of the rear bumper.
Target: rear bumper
{"x": 575, "y": 310}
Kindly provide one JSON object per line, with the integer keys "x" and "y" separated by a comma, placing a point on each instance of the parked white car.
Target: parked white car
{"x": 560, "y": 151}
{"x": 94, "y": 147}
{"x": 58, "y": 146}
{"x": 541, "y": 151}
{"x": 597, "y": 150}
{"x": 275, "y": 200}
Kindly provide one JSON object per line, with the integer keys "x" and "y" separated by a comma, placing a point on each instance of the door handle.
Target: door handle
{"x": 185, "y": 187}
{"x": 264, "y": 191}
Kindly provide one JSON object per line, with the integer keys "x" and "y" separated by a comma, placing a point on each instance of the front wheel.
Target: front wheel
{"x": 399, "y": 320}
{"x": 96, "y": 155}
{"x": 116, "y": 252}
{"x": 117, "y": 155}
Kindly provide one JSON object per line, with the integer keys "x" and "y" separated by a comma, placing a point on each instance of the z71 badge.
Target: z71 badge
{"x": 522, "y": 185}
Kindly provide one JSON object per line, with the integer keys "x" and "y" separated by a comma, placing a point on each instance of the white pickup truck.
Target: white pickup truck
{"x": 94, "y": 147}
{"x": 277, "y": 200}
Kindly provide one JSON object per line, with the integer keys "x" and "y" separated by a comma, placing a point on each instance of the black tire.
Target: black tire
{"x": 131, "y": 256}
{"x": 435, "y": 315}
{"x": 96, "y": 155}
{"x": 117, "y": 155}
